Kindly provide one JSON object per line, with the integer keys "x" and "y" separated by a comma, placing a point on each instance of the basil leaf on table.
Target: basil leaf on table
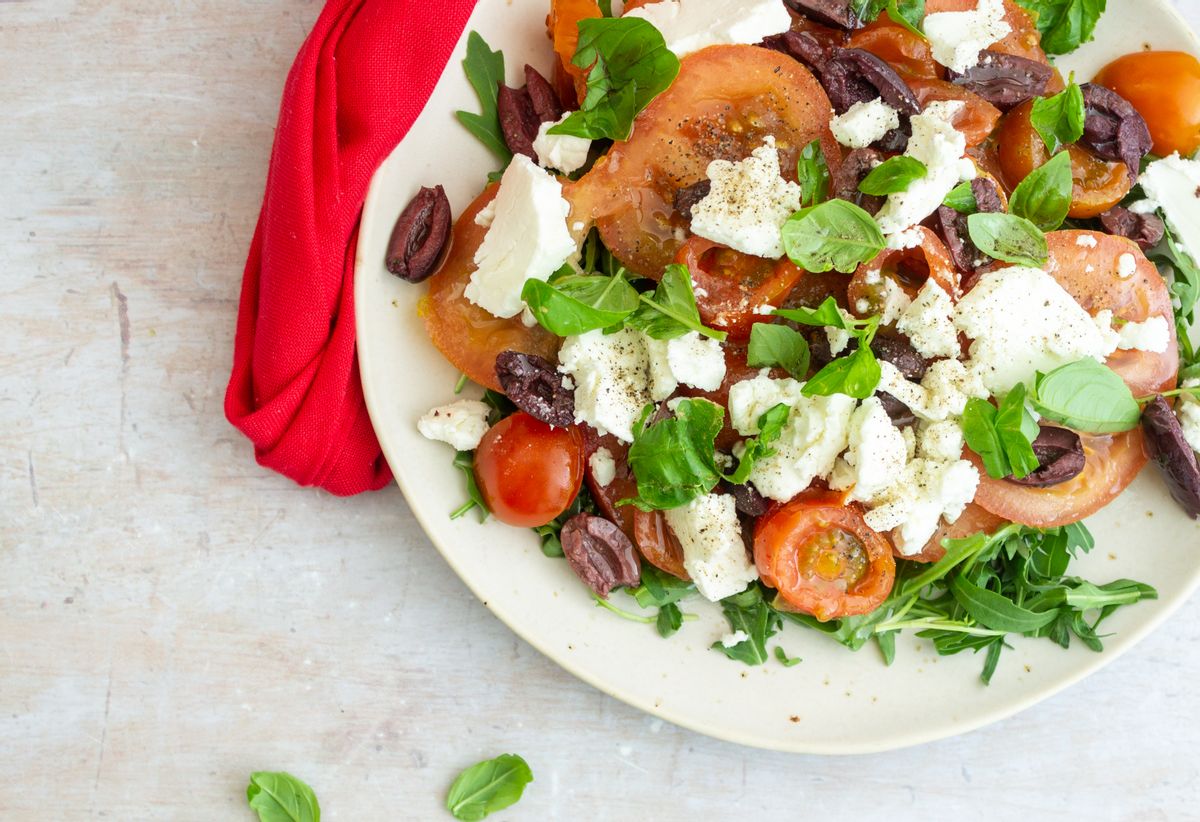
{"x": 571, "y": 304}
{"x": 671, "y": 311}
{"x": 962, "y": 199}
{"x": 1059, "y": 119}
{"x": 780, "y": 345}
{"x": 1065, "y": 25}
{"x": 281, "y": 797}
{"x": 485, "y": 72}
{"x": 812, "y": 172}
{"x": 628, "y": 65}
{"x": 1044, "y": 197}
{"x": 674, "y": 459}
{"x": 835, "y": 235}
{"x": 1087, "y": 396}
{"x": 488, "y": 786}
{"x": 893, "y": 176}
{"x": 1009, "y": 238}
{"x": 749, "y": 613}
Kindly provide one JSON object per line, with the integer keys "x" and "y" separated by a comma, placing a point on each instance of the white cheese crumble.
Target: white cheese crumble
{"x": 1153, "y": 335}
{"x": 942, "y": 393}
{"x": 876, "y": 456}
{"x": 957, "y": 37}
{"x": 1173, "y": 184}
{"x": 1086, "y": 241}
{"x": 864, "y": 123}
{"x": 928, "y": 322}
{"x": 748, "y": 203}
{"x": 714, "y": 554}
{"x": 528, "y": 239}
{"x": 610, "y": 373}
{"x": 691, "y": 25}
{"x": 486, "y": 215}
{"x": 735, "y": 638}
{"x": 604, "y": 467}
{"x": 1126, "y": 266}
{"x": 927, "y": 491}
{"x": 941, "y": 440}
{"x": 839, "y": 338}
{"x": 564, "y": 152}
{"x": 460, "y": 424}
{"x": 1188, "y": 412}
{"x": 691, "y": 360}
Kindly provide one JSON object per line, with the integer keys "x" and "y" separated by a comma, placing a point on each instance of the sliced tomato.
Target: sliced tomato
{"x": 657, "y": 543}
{"x": 908, "y": 268}
{"x": 910, "y": 55}
{"x": 1164, "y": 86}
{"x": 974, "y": 520}
{"x": 563, "y": 26}
{"x": 1023, "y": 40}
{"x": 977, "y": 119}
{"x": 725, "y": 101}
{"x": 528, "y": 471}
{"x": 823, "y": 558}
{"x": 468, "y": 336}
{"x": 623, "y": 485}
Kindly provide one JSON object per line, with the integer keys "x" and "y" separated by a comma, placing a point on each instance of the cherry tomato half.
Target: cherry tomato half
{"x": 823, "y": 558}
{"x": 562, "y": 25}
{"x": 1164, "y": 86}
{"x": 529, "y": 472}
{"x": 908, "y": 268}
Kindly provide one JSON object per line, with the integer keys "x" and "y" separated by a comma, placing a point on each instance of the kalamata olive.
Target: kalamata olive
{"x": 535, "y": 386}
{"x": 837, "y": 13}
{"x": 899, "y": 413}
{"x": 686, "y": 198}
{"x": 987, "y": 196}
{"x": 901, "y": 354}
{"x": 420, "y": 236}
{"x": 952, "y": 226}
{"x": 1174, "y": 456}
{"x": 853, "y": 170}
{"x": 801, "y": 46}
{"x": 1060, "y": 458}
{"x": 855, "y": 76}
{"x": 1113, "y": 128}
{"x": 599, "y": 553}
{"x": 1005, "y": 80}
{"x": 748, "y": 500}
{"x": 542, "y": 96}
{"x": 1146, "y": 230}
{"x": 522, "y": 111}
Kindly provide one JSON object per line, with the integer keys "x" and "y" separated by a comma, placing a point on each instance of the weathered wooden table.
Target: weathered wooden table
{"x": 173, "y": 617}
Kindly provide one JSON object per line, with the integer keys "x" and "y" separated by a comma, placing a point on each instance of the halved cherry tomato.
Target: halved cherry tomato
{"x": 528, "y": 471}
{"x": 823, "y": 558}
{"x": 910, "y": 55}
{"x": 468, "y": 336}
{"x": 1023, "y": 40}
{"x": 908, "y": 268}
{"x": 563, "y": 26}
{"x": 1164, "y": 86}
{"x": 731, "y": 285}
{"x": 1099, "y": 184}
{"x": 657, "y": 543}
{"x": 724, "y": 102}
{"x": 974, "y": 520}
{"x": 977, "y": 119}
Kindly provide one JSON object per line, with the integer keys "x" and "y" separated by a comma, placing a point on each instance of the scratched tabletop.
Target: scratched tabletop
{"x": 173, "y": 617}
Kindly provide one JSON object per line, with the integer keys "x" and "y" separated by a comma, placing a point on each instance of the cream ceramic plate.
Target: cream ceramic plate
{"x": 835, "y": 702}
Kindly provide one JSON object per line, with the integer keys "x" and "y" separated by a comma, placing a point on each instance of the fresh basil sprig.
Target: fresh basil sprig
{"x": 1059, "y": 119}
{"x": 488, "y": 786}
{"x": 1086, "y": 396}
{"x": 856, "y": 375}
{"x": 1002, "y": 437}
{"x": 907, "y": 13}
{"x": 671, "y": 311}
{"x": 281, "y": 797}
{"x": 1009, "y": 238}
{"x": 770, "y": 428}
{"x": 570, "y": 303}
{"x": 812, "y": 172}
{"x": 834, "y": 235}
{"x": 1044, "y": 197}
{"x": 628, "y": 65}
{"x": 751, "y": 614}
{"x": 962, "y": 199}
{"x": 1065, "y": 25}
{"x": 485, "y": 73}
{"x": 778, "y": 345}
{"x": 893, "y": 176}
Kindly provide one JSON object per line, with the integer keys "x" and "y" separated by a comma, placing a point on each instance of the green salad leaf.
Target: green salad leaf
{"x": 749, "y": 613}
{"x": 1009, "y": 238}
{"x": 856, "y": 375}
{"x": 570, "y": 303}
{"x": 1065, "y": 25}
{"x": 1002, "y": 437}
{"x": 485, "y": 73}
{"x": 1059, "y": 119}
{"x": 962, "y": 199}
{"x": 465, "y": 461}
{"x": 1087, "y": 396}
{"x": 1044, "y": 197}
{"x": 778, "y": 345}
{"x": 893, "y": 176}
{"x": 812, "y": 172}
{"x": 835, "y": 235}
{"x": 281, "y": 797}
{"x": 671, "y": 311}
{"x": 488, "y": 786}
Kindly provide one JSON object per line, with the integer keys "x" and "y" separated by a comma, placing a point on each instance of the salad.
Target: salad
{"x": 839, "y": 314}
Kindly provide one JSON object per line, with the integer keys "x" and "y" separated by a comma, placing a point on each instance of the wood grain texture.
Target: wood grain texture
{"x": 173, "y": 617}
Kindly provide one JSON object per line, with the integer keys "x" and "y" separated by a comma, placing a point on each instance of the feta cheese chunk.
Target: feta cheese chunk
{"x": 876, "y": 456}
{"x": 942, "y": 441}
{"x": 1172, "y": 185}
{"x": 817, "y": 431}
{"x": 714, "y": 553}
{"x": 1188, "y": 412}
{"x": 1126, "y": 266}
{"x": 942, "y": 393}
{"x": 1021, "y": 321}
{"x": 610, "y": 373}
{"x": 604, "y": 467}
{"x": 940, "y": 147}
{"x": 528, "y": 239}
{"x": 691, "y": 360}
{"x": 839, "y": 338}
{"x": 564, "y": 152}
{"x": 1153, "y": 335}
{"x": 691, "y": 25}
{"x": 928, "y": 490}
{"x": 748, "y": 203}
{"x": 957, "y": 37}
{"x": 735, "y": 638}
{"x": 929, "y": 323}
{"x": 460, "y": 424}
{"x": 864, "y": 123}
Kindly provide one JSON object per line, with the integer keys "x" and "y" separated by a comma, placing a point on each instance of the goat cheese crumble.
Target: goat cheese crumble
{"x": 691, "y": 25}
{"x": 564, "y": 152}
{"x": 691, "y": 360}
{"x": 460, "y": 424}
{"x": 864, "y": 123}
{"x": 714, "y": 554}
{"x": 929, "y": 323}
{"x": 604, "y": 467}
{"x": 1173, "y": 184}
{"x": 1188, "y": 412}
{"x": 1153, "y": 335}
{"x": 610, "y": 373}
{"x": 958, "y": 37}
{"x": 876, "y": 455}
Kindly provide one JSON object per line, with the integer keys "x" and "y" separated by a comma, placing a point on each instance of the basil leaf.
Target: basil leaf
{"x": 671, "y": 312}
{"x": 749, "y": 613}
{"x": 571, "y": 304}
{"x": 908, "y": 13}
{"x": 1044, "y": 197}
{"x": 834, "y": 235}
{"x": 893, "y": 176}
{"x": 1059, "y": 119}
{"x": 812, "y": 172}
{"x": 1009, "y": 238}
{"x": 996, "y": 611}
{"x": 785, "y": 660}
{"x": 281, "y": 797}
{"x": 1065, "y": 25}
{"x": 669, "y": 620}
{"x": 674, "y": 459}
{"x": 781, "y": 345}
{"x": 962, "y": 199}
{"x": 1018, "y": 429}
{"x": 659, "y": 588}
{"x": 826, "y": 314}
{"x": 465, "y": 462}
{"x": 605, "y": 7}
{"x": 488, "y": 786}
{"x": 868, "y": 10}
{"x": 770, "y": 427}
{"x": 979, "y": 431}
{"x": 855, "y": 376}
{"x": 1087, "y": 396}
{"x": 628, "y": 65}
{"x": 485, "y": 72}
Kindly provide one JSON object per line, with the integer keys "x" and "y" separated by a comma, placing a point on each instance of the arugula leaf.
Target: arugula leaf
{"x": 785, "y": 660}
{"x": 1003, "y": 438}
{"x": 1044, "y": 197}
{"x": 1183, "y": 278}
{"x": 671, "y": 311}
{"x": 893, "y": 176}
{"x": 628, "y": 65}
{"x": 857, "y": 375}
{"x": 781, "y": 345}
{"x": 868, "y": 10}
{"x": 488, "y": 786}
{"x": 1065, "y": 25}
{"x": 1009, "y": 238}
{"x": 1059, "y": 119}
{"x": 673, "y": 460}
{"x": 281, "y": 797}
{"x": 465, "y": 462}
{"x": 770, "y": 428}
{"x": 570, "y": 304}
{"x": 749, "y": 612}
{"x": 1086, "y": 396}
{"x": 834, "y": 235}
{"x": 962, "y": 199}
{"x": 812, "y": 172}
{"x": 669, "y": 620}
{"x": 485, "y": 73}
{"x": 996, "y": 611}
{"x": 658, "y": 588}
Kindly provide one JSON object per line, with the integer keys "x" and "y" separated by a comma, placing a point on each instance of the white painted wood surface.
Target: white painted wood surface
{"x": 173, "y": 617}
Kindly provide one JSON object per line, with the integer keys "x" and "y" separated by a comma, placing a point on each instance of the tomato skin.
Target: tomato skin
{"x": 786, "y": 556}
{"x": 657, "y": 543}
{"x": 909, "y": 268}
{"x": 563, "y": 27}
{"x": 1164, "y": 86}
{"x": 911, "y": 56}
{"x": 978, "y": 118}
{"x": 528, "y": 471}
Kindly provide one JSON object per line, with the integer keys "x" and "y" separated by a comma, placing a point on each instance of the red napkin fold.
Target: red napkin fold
{"x": 360, "y": 80}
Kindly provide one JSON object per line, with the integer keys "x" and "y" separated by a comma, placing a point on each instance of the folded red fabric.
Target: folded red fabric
{"x": 360, "y": 80}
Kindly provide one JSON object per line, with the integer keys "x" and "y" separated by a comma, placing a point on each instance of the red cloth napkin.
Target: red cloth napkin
{"x": 360, "y": 80}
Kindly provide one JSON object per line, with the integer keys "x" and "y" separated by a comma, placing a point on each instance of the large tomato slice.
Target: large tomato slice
{"x": 977, "y": 119}
{"x": 724, "y": 102}
{"x": 975, "y": 519}
{"x": 908, "y": 268}
{"x": 468, "y": 336}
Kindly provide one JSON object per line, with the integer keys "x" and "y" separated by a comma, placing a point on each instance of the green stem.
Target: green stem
{"x": 1178, "y": 392}
{"x": 603, "y": 603}
{"x": 466, "y": 506}
{"x": 461, "y": 384}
